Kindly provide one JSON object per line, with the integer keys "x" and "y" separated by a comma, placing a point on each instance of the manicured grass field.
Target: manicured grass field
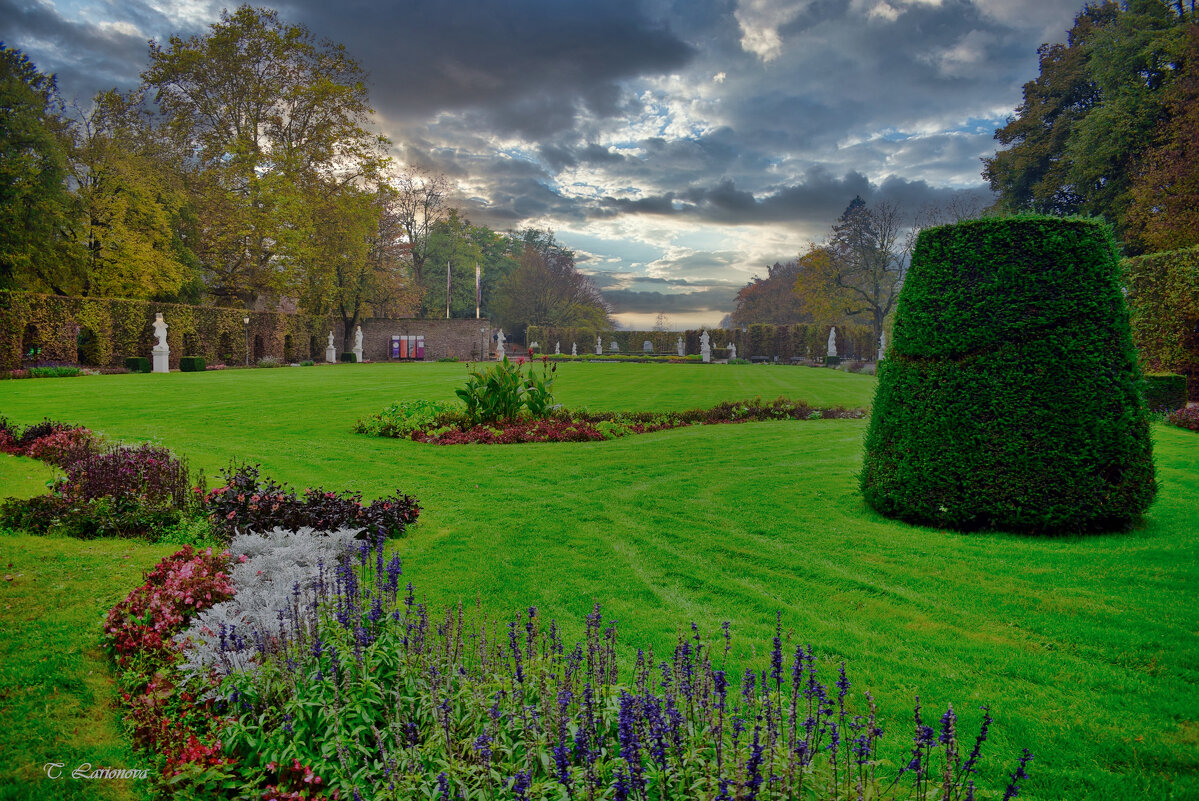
{"x": 1084, "y": 647}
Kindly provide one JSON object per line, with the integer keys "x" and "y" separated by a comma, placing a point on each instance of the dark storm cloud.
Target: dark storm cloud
{"x": 820, "y": 197}
{"x": 85, "y": 57}
{"x": 523, "y": 66}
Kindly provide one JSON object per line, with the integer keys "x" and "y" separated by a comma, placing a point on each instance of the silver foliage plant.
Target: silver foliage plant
{"x": 274, "y": 575}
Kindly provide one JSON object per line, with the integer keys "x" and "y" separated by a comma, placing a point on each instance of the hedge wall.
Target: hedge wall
{"x": 785, "y": 341}
{"x": 105, "y": 331}
{"x": 1163, "y": 293}
{"x": 1011, "y": 394}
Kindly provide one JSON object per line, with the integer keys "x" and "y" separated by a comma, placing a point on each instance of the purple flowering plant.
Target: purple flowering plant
{"x": 361, "y": 682}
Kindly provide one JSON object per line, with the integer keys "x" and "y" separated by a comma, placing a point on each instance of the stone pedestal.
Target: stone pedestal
{"x": 162, "y": 359}
{"x": 331, "y": 355}
{"x": 358, "y": 354}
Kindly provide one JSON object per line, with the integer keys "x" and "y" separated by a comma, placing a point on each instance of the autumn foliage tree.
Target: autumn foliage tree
{"x": 547, "y": 290}
{"x": 858, "y": 272}
{"x": 771, "y": 299}
{"x": 1164, "y": 211}
{"x": 1099, "y": 115}
{"x": 265, "y": 116}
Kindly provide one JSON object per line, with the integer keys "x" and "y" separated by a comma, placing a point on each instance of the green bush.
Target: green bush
{"x": 349, "y": 357}
{"x": 1010, "y": 397}
{"x": 307, "y": 363}
{"x": 192, "y": 364}
{"x": 1165, "y": 391}
{"x": 1163, "y": 294}
{"x": 54, "y": 372}
{"x": 137, "y": 364}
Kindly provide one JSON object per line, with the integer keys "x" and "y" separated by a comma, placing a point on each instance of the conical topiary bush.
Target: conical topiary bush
{"x": 1009, "y": 397}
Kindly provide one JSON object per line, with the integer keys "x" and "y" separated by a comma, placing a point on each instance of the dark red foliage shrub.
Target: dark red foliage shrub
{"x": 250, "y": 502}
{"x": 64, "y": 447}
{"x": 148, "y": 475}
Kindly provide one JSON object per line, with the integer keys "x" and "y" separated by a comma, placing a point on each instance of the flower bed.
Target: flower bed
{"x": 449, "y": 424}
{"x": 1186, "y": 417}
{"x": 331, "y": 681}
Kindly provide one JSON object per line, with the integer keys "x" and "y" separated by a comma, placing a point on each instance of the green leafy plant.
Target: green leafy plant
{"x": 493, "y": 395}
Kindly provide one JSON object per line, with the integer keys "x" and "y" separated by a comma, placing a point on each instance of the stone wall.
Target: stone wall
{"x": 458, "y": 339}
{"x": 40, "y": 329}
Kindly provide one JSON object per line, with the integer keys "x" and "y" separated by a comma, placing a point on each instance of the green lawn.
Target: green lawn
{"x": 1084, "y": 647}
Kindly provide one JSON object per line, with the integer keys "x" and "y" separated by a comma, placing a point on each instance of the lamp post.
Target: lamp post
{"x": 246, "y": 320}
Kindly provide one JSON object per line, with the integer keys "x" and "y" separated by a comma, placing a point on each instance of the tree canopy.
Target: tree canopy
{"x": 1106, "y": 110}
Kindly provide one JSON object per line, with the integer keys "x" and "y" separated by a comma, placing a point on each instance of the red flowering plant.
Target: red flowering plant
{"x": 168, "y": 722}
{"x": 179, "y": 586}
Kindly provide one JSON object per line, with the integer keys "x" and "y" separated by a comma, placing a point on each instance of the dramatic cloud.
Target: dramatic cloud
{"x": 683, "y": 141}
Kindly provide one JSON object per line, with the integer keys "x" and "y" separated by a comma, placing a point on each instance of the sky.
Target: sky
{"x": 677, "y": 146}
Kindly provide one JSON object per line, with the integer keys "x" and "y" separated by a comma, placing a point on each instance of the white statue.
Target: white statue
{"x": 500, "y": 341}
{"x": 331, "y": 351}
{"x": 574, "y": 349}
{"x": 732, "y": 351}
{"x": 680, "y": 347}
{"x": 832, "y": 341}
{"x": 161, "y": 353}
{"x": 160, "y": 330}
{"x": 705, "y": 346}
{"x": 882, "y": 344}
{"x": 599, "y": 345}
{"x": 358, "y": 344}
{"x": 558, "y": 348}
{"x": 330, "y": 339}
{"x": 612, "y": 346}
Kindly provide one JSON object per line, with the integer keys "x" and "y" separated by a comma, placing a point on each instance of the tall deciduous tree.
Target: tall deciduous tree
{"x": 858, "y": 272}
{"x": 1083, "y": 129}
{"x": 1165, "y": 190}
{"x": 263, "y": 114}
{"x": 420, "y": 206}
{"x": 771, "y": 299}
{"x": 129, "y": 199}
{"x": 546, "y": 289}
{"x": 36, "y": 213}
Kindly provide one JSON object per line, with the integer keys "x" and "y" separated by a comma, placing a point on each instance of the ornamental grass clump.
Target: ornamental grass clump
{"x": 1010, "y": 396}
{"x": 331, "y": 677}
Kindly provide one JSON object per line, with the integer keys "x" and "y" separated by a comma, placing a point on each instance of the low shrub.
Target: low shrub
{"x": 191, "y": 364}
{"x": 137, "y": 364}
{"x": 37, "y": 515}
{"x": 351, "y": 684}
{"x": 250, "y": 502}
{"x": 403, "y": 418}
{"x": 269, "y": 361}
{"x": 458, "y": 428}
{"x": 739, "y": 361}
{"x": 1165, "y": 391}
{"x": 64, "y": 447}
{"x": 447, "y": 359}
{"x": 1186, "y": 417}
{"x": 349, "y": 357}
{"x": 54, "y": 372}
{"x": 307, "y": 363}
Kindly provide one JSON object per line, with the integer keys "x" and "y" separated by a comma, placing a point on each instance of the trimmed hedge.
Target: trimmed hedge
{"x": 192, "y": 364}
{"x": 1165, "y": 391}
{"x": 803, "y": 340}
{"x": 104, "y": 331}
{"x": 1010, "y": 397}
{"x": 138, "y": 364}
{"x": 349, "y": 356}
{"x": 1163, "y": 293}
